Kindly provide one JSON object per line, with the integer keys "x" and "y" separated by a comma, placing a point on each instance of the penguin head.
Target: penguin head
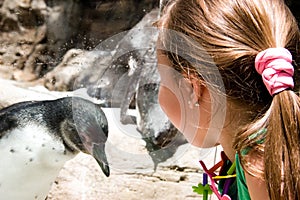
{"x": 85, "y": 129}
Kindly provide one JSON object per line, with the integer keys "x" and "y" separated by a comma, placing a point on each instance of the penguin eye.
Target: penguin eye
{"x": 71, "y": 129}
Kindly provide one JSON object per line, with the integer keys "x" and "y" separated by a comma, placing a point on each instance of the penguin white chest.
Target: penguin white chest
{"x": 30, "y": 161}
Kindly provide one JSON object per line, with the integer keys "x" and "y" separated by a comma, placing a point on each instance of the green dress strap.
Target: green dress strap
{"x": 243, "y": 193}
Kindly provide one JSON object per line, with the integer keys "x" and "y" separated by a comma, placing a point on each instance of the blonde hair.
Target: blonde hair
{"x": 233, "y": 32}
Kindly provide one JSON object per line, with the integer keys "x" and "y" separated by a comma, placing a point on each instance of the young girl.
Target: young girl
{"x": 254, "y": 45}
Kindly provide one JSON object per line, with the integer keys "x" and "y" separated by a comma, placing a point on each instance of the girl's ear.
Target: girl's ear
{"x": 198, "y": 89}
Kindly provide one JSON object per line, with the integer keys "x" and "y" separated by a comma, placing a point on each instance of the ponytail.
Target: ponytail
{"x": 280, "y": 143}
{"x": 282, "y": 139}
{"x": 282, "y": 147}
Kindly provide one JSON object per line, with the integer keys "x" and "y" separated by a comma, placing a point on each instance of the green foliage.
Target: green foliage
{"x": 200, "y": 189}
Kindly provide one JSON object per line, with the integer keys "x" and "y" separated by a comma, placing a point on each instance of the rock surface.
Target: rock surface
{"x": 35, "y": 34}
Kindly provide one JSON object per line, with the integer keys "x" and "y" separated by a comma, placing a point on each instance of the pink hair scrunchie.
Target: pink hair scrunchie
{"x": 275, "y": 67}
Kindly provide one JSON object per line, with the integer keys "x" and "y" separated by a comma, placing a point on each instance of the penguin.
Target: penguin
{"x": 38, "y": 137}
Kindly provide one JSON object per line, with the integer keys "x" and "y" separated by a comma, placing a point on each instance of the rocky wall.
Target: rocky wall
{"x": 35, "y": 34}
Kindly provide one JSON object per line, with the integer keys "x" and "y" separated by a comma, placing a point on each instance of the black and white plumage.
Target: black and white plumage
{"x": 37, "y": 138}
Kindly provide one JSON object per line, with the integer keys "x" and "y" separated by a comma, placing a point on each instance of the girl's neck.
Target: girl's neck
{"x": 234, "y": 121}
{"x": 226, "y": 142}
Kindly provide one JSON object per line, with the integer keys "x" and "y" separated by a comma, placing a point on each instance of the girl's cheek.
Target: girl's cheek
{"x": 193, "y": 121}
{"x": 170, "y": 105}
{"x": 176, "y": 98}
{"x": 183, "y": 117}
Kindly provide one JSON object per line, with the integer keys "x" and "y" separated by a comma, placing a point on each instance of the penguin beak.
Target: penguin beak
{"x": 100, "y": 156}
